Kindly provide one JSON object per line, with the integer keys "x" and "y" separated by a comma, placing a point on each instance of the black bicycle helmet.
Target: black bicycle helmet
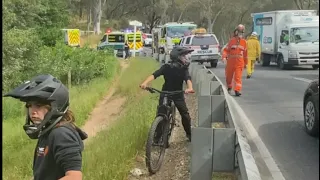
{"x": 177, "y": 51}
{"x": 43, "y": 88}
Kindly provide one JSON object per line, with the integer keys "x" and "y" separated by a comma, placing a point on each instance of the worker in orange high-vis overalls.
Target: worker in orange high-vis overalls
{"x": 235, "y": 55}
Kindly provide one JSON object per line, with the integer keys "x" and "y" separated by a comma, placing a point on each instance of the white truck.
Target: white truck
{"x": 288, "y": 38}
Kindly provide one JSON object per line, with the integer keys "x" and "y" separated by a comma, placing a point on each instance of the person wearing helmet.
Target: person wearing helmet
{"x": 235, "y": 55}
{"x": 253, "y": 52}
{"x": 58, "y": 151}
{"x": 174, "y": 74}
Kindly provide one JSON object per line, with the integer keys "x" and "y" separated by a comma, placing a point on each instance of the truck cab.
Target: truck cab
{"x": 288, "y": 38}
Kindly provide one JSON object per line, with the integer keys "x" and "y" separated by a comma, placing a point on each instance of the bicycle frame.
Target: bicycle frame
{"x": 167, "y": 102}
{"x": 164, "y": 108}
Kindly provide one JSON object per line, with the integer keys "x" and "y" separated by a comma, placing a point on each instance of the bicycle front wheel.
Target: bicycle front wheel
{"x": 157, "y": 139}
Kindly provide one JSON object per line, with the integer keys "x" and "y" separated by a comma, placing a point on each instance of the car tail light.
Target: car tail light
{"x": 219, "y": 48}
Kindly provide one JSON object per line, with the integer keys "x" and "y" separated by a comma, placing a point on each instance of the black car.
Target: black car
{"x": 311, "y": 108}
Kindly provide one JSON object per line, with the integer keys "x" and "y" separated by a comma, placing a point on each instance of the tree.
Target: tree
{"x": 306, "y": 4}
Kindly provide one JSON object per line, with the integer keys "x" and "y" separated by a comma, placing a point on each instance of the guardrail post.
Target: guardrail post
{"x": 215, "y": 88}
{"x": 223, "y": 149}
{"x": 204, "y": 111}
{"x": 115, "y": 52}
{"x": 155, "y": 56}
{"x": 201, "y": 153}
{"x": 218, "y": 108}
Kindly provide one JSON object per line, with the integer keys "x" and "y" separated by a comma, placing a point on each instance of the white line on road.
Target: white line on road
{"x": 263, "y": 150}
{"x": 303, "y": 79}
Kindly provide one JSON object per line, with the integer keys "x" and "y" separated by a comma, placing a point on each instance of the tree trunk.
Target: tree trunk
{"x": 89, "y": 12}
{"x": 210, "y": 25}
{"x": 97, "y": 17}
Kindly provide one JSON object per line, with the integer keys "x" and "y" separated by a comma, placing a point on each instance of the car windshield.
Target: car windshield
{"x": 104, "y": 38}
{"x": 203, "y": 40}
{"x": 119, "y": 38}
{"x": 179, "y": 31}
{"x": 304, "y": 34}
{"x": 149, "y": 36}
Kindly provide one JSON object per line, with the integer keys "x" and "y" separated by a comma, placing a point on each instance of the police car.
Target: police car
{"x": 206, "y": 47}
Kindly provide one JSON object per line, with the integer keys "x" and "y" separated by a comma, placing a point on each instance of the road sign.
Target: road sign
{"x": 135, "y": 23}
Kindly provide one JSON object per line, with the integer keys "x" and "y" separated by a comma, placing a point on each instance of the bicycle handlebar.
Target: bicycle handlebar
{"x": 153, "y": 90}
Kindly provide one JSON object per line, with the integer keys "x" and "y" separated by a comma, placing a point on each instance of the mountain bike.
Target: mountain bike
{"x": 161, "y": 129}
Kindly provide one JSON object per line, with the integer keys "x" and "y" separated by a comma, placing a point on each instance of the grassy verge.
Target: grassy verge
{"x": 18, "y": 149}
{"x": 109, "y": 155}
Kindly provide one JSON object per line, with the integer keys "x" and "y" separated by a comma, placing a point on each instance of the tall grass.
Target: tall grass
{"x": 109, "y": 154}
{"x": 18, "y": 149}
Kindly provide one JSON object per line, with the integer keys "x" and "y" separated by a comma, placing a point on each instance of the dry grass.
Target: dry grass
{"x": 223, "y": 176}
{"x": 218, "y": 125}
{"x": 92, "y": 40}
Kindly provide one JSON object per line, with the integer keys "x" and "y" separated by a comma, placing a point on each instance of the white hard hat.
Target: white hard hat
{"x": 254, "y": 34}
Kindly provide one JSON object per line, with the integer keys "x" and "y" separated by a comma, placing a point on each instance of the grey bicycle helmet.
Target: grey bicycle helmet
{"x": 177, "y": 51}
{"x": 43, "y": 88}
{"x": 176, "y": 54}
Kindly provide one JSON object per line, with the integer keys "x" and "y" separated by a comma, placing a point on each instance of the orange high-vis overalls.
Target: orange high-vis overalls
{"x": 236, "y": 55}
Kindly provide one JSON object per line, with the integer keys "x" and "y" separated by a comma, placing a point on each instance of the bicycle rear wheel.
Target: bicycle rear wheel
{"x": 154, "y": 164}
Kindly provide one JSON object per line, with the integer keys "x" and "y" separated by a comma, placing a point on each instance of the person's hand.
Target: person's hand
{"x": 224, "y": 60}
{"x": 188, "y": 91}
{"x": 143, "y": 86}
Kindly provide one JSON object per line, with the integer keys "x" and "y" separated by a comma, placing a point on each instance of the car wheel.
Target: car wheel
{"x": 311, "y": 117}
{"x": 315, "y": 66}
{"x": 213, "y": 64}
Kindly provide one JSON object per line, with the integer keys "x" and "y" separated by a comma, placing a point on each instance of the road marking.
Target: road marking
{"x": 263, "y": 150}
{"x": 253, "y": 135}
{"x": 303, "y": 79}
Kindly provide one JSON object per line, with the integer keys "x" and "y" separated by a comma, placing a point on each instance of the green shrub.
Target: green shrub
{"x": 20, "y": 50}
{"x": 84, "y": 64}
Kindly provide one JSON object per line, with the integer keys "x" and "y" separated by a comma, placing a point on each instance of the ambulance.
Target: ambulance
{"x": 72, "y": 37}
{"x": 113, "y": 41}
{"x": 129, "y": 36}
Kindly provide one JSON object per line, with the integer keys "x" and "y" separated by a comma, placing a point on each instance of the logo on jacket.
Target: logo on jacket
{"x": 42, "y": 151}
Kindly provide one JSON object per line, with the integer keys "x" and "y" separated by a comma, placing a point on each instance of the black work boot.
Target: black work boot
{"x": 237, "y": 93}
{"x": 248, "y": 76}
{"x": 229, "y": 90}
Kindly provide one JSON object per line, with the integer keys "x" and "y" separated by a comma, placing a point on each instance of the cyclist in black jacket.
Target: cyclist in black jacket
{"x": 174, "y": 74}
{"x": 58, "y": 151}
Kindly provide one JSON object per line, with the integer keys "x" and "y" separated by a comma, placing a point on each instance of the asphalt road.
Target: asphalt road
{"x": 272, "y": 99}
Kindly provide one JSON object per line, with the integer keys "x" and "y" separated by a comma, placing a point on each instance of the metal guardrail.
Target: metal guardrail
{"x": 218, "y": 149}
